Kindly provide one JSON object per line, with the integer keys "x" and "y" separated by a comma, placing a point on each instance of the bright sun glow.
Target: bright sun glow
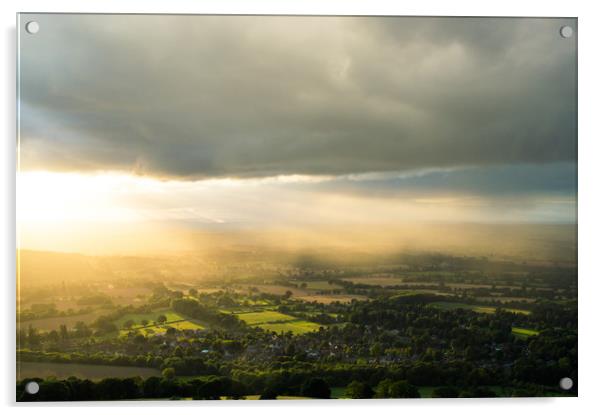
{"x": 70, "y": 210}
{"x": 50, "y": 197}
{"x": 44, "y": 197}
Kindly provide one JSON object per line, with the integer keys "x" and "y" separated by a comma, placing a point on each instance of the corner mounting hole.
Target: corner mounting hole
{"x": 32, "y": 27}
{"x": 32, "y": 388}
{"x": 566, "y": 32}
{"x": 566, "y": 383}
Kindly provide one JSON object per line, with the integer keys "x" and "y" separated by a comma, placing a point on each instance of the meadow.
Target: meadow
{"x": 262, "y": 317}
{"x": 294, "y": 326}
{"x": 54, "y": 323}
{"x": 152, "y": 327}
{"x": 524, "y": 332}
{"x": 150, "y": 318}
{"x": 277, "y": 322}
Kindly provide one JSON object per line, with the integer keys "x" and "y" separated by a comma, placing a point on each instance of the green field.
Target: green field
{"x": 445, "y": 305}
{"x": 54, "y": 323}
{"x": 175, "y": 320}
{"x": 185, "y": 325}
{"x": 274, "y": 321}
{"x": 296, "y": 327}
{"x": 524, "y": 332}
{"x": 262, "y": 317}
{"x": 160, "y": 329}
{"x": 289, "y": 398}
{"x": 150, "y": 317}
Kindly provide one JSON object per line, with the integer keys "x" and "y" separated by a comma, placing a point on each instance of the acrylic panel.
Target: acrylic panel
{"x": 296, "y": 207}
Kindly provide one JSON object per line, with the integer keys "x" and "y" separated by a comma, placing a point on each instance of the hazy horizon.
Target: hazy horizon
{"x": 538, "y": 242}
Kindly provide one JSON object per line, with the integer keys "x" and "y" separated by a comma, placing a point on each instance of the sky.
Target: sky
{"x": 213, "y": 120}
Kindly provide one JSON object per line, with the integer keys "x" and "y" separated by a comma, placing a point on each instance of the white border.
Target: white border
{"x": 590, "y": 203}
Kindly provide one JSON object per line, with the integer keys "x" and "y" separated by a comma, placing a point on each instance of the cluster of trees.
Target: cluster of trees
{"x": 461, "y": 374}
{"x": 213, "y": 387}
{"x": 106, "y": 324}
{"x": 403, "y": 389}
{"x": 220, "y": 387}
{"x": 396, "y": 389}
{"x": 98, "y": 358}
{"x": 192, "y": 308}
{"x": 74, "y": 389}
{"x": 48, "y": 310}
{"x": 426, "y": 345}
{"x": 386, "y": 388}
{"x": 33, "y": 337}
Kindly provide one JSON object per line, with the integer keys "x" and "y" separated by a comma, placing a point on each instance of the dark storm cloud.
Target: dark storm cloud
{"x": 259, "y": 96}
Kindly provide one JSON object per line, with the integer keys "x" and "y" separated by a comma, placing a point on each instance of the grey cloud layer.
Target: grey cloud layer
{"x": 551, "y": 180}
{"x": 259, "y": 96}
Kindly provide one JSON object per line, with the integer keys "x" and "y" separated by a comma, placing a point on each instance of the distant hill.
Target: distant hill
{"x": 39, "y": 267}
{"x": 43, "y": 267}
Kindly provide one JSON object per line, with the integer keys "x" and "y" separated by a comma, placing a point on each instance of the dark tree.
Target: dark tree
{"x": 151, "y": 387}
{"x": 269, "y": 393}
{"x": 316, "y": 388}
{"x": 400, "y": 389}
{"x": 359, "y": 390}
{"x": 213, "y": 389}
